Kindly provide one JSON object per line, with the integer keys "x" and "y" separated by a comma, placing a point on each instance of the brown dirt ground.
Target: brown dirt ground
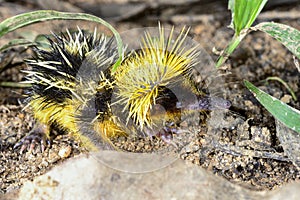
{"x": 246, "y": 151}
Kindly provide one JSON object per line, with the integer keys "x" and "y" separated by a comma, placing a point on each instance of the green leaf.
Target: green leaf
{"x": 29, "y": 18}
{"x": 16, "y": 42}
{"x": 289, "y": 116}
{"x": 15, "y": 84}
{"x": 288, "y": 36}
{"x": 285, "y": 84}
{"x": 245, "y": 12}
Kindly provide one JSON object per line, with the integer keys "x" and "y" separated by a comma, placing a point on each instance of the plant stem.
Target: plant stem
{"x": 14, "y": 84}
{"x": 235, "y": 41}
{"x": 274, "y": 78}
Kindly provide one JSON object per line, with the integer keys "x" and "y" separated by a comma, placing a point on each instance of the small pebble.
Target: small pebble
{"x": 286, "y": 98}
{"x": 65, "y": 151}
{"x": 53, "y": 156}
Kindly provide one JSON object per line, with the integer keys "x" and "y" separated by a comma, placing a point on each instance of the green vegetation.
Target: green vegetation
{"x": 244, "y": 12}
{"x": 19, "y": 21}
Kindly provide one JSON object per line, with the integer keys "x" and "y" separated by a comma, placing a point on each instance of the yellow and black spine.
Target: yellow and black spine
{"x": 59, "y": 86}
{"x": 74, "y": 89}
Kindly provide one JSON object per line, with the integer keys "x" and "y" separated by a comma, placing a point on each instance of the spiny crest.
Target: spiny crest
{"x": 159, "y": 63}
{"x": 78, "y": 43}
{"x": 54, "y": 72}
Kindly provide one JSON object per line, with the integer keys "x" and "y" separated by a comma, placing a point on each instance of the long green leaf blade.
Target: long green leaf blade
{"x": 289, "y": 116}
{"x": 288, "y": 36}
{"x": 245, "y": 12}
{"x": 16, "y": 42}
{"x": 29, "y": 18}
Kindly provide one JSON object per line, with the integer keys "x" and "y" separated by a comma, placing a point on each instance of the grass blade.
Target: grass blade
{"x": 288, "y": 36}
{"x": 275, "y": 78}
{"x": 235, "y": 41}
{"x": 16, "y": 42}
{"x": 29, "y": 18}
{"x": 244, "y": 13}
{"x": 14, "y": 84}
{"x": 289, "y": 116}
